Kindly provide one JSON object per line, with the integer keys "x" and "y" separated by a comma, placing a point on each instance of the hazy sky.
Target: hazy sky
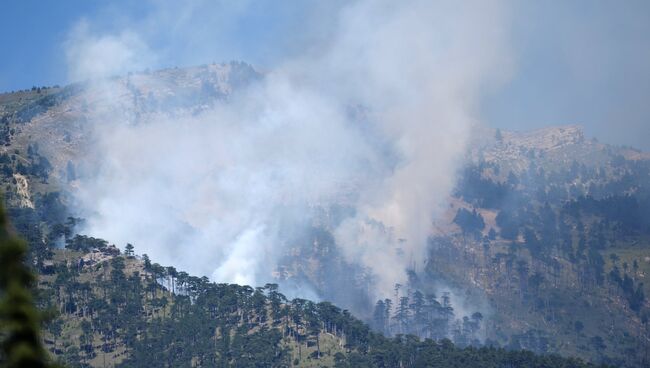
{"x": 576, "y": 62}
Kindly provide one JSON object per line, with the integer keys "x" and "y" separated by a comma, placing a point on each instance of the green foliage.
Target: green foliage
{"x": 208, "y": 324}
{"x": 19, "y": 318}
{"x": 541, "y": 264}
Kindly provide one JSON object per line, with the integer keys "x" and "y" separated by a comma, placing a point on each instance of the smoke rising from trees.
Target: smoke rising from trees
{"x": 375, "y": 117}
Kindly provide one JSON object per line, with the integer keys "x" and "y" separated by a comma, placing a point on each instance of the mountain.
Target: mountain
{"x": 544, "y": 246}
{"x": 554, "y": 228}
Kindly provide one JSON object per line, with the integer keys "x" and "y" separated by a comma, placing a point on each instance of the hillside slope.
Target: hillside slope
{"x": 547, "y": 233}
{"x": 555, "y": 228}
{"x": 122, "y": 310}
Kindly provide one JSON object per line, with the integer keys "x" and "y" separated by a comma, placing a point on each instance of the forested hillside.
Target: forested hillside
{"x": 123, "y": 310}
{"x": 555, "y": 228}
{"x": 550, "y": 229}
{"x": 544, "y": 246}
{"x": 106, "y": 308}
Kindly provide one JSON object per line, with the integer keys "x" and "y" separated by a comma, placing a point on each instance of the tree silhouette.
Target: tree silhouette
{"x": 19, "y": 318}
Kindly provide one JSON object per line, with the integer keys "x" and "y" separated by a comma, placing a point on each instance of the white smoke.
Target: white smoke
{"x": 422, "y": 65}
{"x": 100, "y": 56}
{"x": 205, "y": 191}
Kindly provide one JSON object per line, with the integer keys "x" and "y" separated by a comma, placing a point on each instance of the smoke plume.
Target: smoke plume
{"x": 374, "y": 114}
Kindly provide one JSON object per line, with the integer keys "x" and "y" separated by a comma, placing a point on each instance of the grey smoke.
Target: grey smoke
{"x": 206, "y": 190}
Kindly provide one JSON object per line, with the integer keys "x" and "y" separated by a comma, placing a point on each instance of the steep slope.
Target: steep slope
{"x": 546, "y": 235}
{"x": 555, "y": 228}
{"x": 123, "y": 310}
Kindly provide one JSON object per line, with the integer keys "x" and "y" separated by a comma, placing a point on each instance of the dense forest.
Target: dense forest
{"x": 129, "y": 310}
{"x": 147, "y": 315}
{"x": 541, "y": 252}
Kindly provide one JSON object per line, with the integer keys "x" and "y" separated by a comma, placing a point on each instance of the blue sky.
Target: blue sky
{"x": 31, "y": 33}
{"x": 577, "y": 62}
{"x": 580, "y": 62}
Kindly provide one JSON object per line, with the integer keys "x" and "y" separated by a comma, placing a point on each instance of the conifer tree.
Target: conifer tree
{"x": 19, "y": 318}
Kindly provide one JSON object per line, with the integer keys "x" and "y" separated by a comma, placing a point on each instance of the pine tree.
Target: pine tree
{"x": 19, "y": 318}
{"x": 129, "y": 250}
